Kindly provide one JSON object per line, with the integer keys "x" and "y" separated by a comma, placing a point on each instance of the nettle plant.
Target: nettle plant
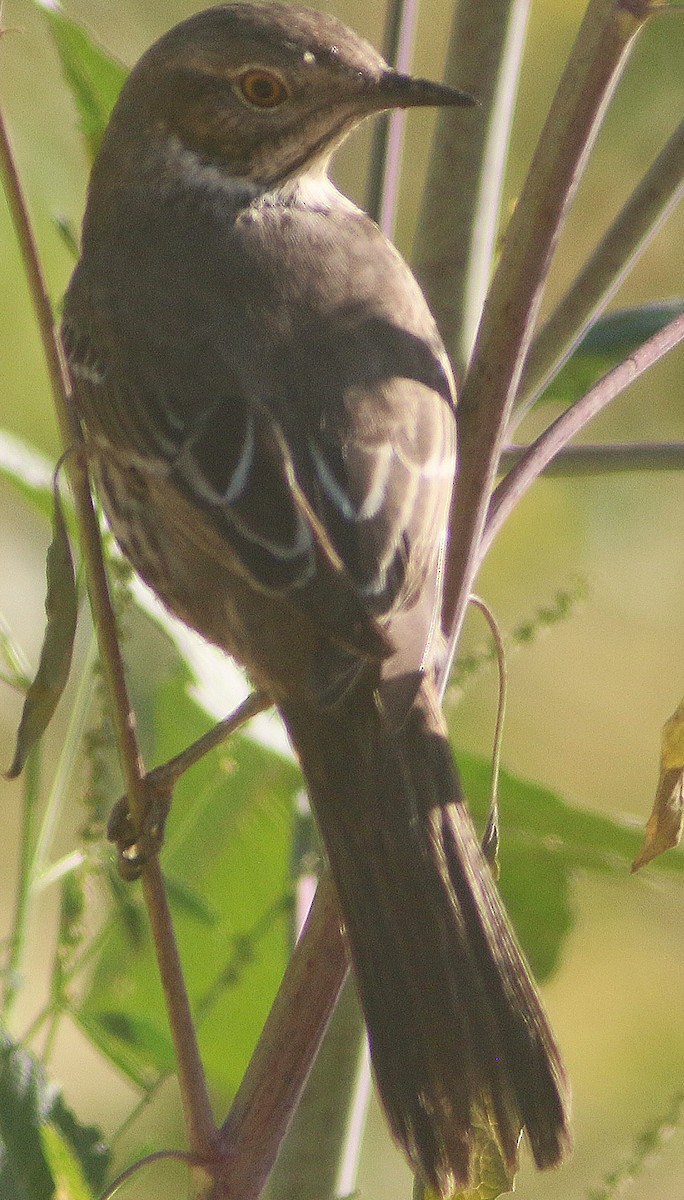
{"x": 239, "y": 854}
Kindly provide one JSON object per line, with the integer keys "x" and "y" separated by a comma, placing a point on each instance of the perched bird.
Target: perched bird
{"x": 270, "y": 418}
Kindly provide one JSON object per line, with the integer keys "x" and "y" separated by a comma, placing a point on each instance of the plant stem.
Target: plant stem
{"x": 661, "y": 188}
{"x": 191, "y": 1078}
{"x": 165, "y": 777}
{"x": 17, "y": 938}
{"x": 258, "y": 1121}
{"x": 591, "y": 73}
{"x": 319, "y": 1158}
{"x": 518, "y": 481}
{"x": 456, "y": 235}
{"x": 571, "y": 461}
{"x": 490, "y": 839}
{"x": 382, "y": 189}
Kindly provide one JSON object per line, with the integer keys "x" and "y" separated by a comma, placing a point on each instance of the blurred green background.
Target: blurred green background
{"x": 588, "y": 699}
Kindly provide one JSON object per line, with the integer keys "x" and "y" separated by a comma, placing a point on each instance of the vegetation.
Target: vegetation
{"x": 239, "y": 849}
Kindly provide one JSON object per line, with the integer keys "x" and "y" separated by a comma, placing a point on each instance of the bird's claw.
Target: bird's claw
{"x": 136, "y": 846}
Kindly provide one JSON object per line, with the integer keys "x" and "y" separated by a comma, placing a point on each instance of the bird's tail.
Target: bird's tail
{"x": 457, "y": 1029}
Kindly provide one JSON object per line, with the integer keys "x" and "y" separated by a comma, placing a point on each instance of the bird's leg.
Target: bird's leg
{"x": 136, "y": 845}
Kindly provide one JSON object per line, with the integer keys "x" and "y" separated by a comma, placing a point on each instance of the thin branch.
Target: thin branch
{"x": 591, "y": 73}
{"x": 190, "y": 1160}
{"x": 660, "y": 190}
{"x": 604, "y": 459}
{"x": 321, "y": 1152}
{"x": 227, "y": 973}
{"x": 192, "y": 1083}
{"x": 165, "y": 777}
{"x": 648, "y": 1145}
{"x": 258, "y": 1121}
{"x": 518, "y": 481}
{"x": 490, "y": 839}
{"x": 459, "y": 219}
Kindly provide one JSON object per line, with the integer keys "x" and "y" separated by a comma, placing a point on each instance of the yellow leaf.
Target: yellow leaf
{"x": 672, "y": 756}
{"x": 664, "y": 827}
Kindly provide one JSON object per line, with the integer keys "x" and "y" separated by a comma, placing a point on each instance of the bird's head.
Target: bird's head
{"x": 263, "y": 92}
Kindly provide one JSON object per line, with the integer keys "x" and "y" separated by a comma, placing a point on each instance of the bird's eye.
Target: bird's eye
{"x": 263, "y": 89}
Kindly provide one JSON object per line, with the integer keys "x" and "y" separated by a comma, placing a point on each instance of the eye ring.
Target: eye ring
{"x": 262, "y": 89}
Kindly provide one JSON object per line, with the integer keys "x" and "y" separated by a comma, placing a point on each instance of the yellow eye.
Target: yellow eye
{"x": 262, "y": 88}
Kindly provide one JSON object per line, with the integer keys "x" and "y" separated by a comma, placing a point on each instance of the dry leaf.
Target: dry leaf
{"x": 491, "y": 1178}
{"x": 664, "y": 828}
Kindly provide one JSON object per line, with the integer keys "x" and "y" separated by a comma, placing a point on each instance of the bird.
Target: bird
{"x": 270, "y": 417}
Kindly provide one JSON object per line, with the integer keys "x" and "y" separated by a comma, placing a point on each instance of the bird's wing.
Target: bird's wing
{"x": 318, "y": 438}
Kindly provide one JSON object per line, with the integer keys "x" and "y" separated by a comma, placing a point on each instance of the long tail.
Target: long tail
{"x": 456, "y": 1025}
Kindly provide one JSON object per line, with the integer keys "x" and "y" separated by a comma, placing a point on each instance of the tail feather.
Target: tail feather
{"x": 456, "y": 1026}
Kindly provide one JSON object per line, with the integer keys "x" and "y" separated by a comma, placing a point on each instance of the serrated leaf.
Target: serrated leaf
{"x": 664, "y": 827}
{"x": 29, "y": 1105}
{"x": 544, "y": 841}
{"x": 151, "y": 1044}
{"x": 185, "y": 899}
{"x": 126, "y": 1056}
{"x": 93, "y": 75}
{"x": 131, "y": 915}
{"x": 228, "y": 844}
{"x": 61, "y": 610}
{"x": 66, "y": 1170}
{"x": 612, "y": 339}
{"x": 24, "y": 1170}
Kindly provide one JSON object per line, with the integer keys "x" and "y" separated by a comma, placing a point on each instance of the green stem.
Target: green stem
{"x": 572, "y": 461}
{"x": 490, "y": 840}
{"x": 51, "y": 1037}
{"x": 193, "y": 1087}
{"x": 19, "y": 676}
{"x": 591, "y": 73}
{"x": 541, "y": 452}
{"x": 456, "y": 235}
{"x": 72, "y": 743}
{"x": 651, "y": 203}
{"x": 17, "y": 939}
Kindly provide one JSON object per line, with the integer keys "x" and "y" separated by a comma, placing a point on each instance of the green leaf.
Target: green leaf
{"x": 64, "y": 1165}
{"x": 607, "y": 343}
{"x": 491, "y": 1178}
{"x": 29, "y": 1106}
{"x": 185, "y": 899}
{"x": 151, "y": 1043}
{"x": 93, "y": 76}
{"x": 16, "y": 668}
{"x": 544, "y": 841}
{"x": 28, "y": 472}
{"x": 24, "y": 1171}
{"x": 61, "y": 609}
{"x": 227, "y": 851}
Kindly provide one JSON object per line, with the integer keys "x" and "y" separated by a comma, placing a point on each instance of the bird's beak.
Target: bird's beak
{"x": 404, "y": 91}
